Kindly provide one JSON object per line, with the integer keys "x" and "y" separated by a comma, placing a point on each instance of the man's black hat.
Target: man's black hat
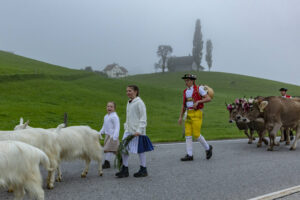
{"x": 283, "y": 89}
{"x": 189, "y": 76}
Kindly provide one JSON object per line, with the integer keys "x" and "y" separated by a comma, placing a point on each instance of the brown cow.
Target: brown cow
{"x": 280, "y": 112}
{"x": 235, "y": 116}
{"x": 255, "y": 121}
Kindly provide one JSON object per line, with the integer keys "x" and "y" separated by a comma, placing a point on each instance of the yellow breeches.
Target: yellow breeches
{"x": 193, "y": 123}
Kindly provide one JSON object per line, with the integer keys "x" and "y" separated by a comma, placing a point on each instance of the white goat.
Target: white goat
{"x": 19, "y": 168}
{"x": 42, "y": 139}
{"x": 77, "y": 142}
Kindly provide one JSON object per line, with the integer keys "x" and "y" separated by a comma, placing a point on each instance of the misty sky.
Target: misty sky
{"x": 251, "y": 37}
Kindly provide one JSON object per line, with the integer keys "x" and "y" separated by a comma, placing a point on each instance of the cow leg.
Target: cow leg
{"x": 86, "y": 169}
{"x": 250, "y": 138}
{"x": 288, "y": 139}
{"x": 282, "y": 134}
{"x": 272, "y": 135}
{"x": 251, "y": 135}
{"x": 262, "y": 138}
{"x": 293, "y": 147}
{"x": 291, "y": 134}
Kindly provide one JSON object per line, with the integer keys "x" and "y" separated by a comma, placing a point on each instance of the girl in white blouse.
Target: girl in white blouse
{"x": 111, "y": 129}
{"x": 136, "y": 122}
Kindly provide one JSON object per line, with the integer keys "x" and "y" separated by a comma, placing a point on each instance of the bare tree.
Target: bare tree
{"x": 164, "y": 51}
{"x": 208, "y": 57}
{"x": 198, "y": 45}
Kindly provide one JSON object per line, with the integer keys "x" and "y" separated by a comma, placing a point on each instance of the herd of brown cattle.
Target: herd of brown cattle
{"x": 267, "y": 115}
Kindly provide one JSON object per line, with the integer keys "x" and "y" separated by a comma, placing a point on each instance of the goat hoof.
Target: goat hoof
{"x": 10, "y": 190}
{"x": 249, "y": 142}
{"x": 101, "y": 174}
{"x": 281, "y": 141}
{"x": 50, "y": 187}
{"x": 58, "y": 179}
{"x": 287, "y": 143}
{"x": 83, "y": 175}
{"x": 258, "y": 145}
{"x": 292, "y": 149}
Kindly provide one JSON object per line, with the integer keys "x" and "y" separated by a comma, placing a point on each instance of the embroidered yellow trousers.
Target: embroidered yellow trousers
{"x": 193, "y": 123}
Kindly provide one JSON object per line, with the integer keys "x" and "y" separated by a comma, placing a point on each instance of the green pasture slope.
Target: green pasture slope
{"x": 42, "y": 93}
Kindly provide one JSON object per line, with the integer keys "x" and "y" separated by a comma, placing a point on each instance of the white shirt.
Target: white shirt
{"x": 189, "y": 94}
{"x": 136, "y": 117}
{"x": 111, "y": 125}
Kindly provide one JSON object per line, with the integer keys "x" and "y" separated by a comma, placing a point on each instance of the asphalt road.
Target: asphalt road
{"x": 237, "y": 170}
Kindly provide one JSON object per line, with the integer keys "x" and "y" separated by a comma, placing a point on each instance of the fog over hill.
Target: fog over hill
{"x": 253, "y": 37}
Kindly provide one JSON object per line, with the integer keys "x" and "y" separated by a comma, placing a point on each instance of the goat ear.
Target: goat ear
{"x": 21, "y": 120}
{"x": 263, "y": 105}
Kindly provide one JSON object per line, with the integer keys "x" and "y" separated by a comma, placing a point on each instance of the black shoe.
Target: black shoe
{"x": 106, "y": 164}
{"x": 123, "y": 172}
{"x": 209, "y": 152}
{"x": 141, "y": 173}
{"x": 187, "y": 158}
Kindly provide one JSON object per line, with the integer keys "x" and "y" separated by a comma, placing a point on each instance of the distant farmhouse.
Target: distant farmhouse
{"x": 184, "y": 63}
{"x": 115, "y": 71}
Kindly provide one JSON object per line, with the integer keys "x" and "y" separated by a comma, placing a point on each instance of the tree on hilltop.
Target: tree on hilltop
{"x": 208, "y": 57}
{"x": 198, "y": 45}
{"x": 164, "y": 51}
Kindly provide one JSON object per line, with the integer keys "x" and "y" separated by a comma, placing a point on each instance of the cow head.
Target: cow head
{"x": 234, "y": 114}
{"x": 252, "y": 110}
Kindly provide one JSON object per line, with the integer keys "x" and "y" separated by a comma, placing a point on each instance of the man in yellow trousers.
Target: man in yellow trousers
{"x": 194, "y": 98}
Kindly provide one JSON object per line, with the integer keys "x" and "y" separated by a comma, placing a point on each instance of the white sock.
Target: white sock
{"x": 125, "y": 160}
{"x": 203, "y": 142}
{"x": 108, "y": 156}
{"x": 189, "y": 145}
{"x": 142, "y": 159}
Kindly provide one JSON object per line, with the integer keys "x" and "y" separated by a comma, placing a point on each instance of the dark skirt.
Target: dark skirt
{"x": 144, "y": 144}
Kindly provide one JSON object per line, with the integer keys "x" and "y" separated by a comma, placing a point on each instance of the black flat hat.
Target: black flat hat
{"x": 189, "y": 76}
{"x": 283, "y": 89}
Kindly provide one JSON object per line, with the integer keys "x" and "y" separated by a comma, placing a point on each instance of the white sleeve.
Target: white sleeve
{"x": 116, "y": 123}
{"x": 125, "y": 124}
{"x": 143, "y": 117}
{"x": 202, "y": 91}
{"x": 102, "y": 129}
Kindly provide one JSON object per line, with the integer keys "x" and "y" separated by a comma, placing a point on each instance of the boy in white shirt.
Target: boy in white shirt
{"x": 111, "y": 128}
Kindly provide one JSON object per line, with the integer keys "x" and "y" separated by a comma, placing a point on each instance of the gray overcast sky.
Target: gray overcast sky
{"x": 252, "y": 37}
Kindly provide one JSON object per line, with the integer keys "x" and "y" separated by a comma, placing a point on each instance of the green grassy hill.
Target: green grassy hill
{"x": 42, "y": 93}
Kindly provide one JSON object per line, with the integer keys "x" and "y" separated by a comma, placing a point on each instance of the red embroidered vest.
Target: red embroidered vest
{"x": 196, "y": 97}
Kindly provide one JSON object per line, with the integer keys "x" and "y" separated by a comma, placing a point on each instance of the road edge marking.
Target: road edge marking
{"x": 278, "y": 194}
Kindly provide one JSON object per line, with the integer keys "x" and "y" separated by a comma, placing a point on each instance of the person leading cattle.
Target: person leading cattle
{"x": 194, "y": 98}
{"x": 283, "y": 93}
